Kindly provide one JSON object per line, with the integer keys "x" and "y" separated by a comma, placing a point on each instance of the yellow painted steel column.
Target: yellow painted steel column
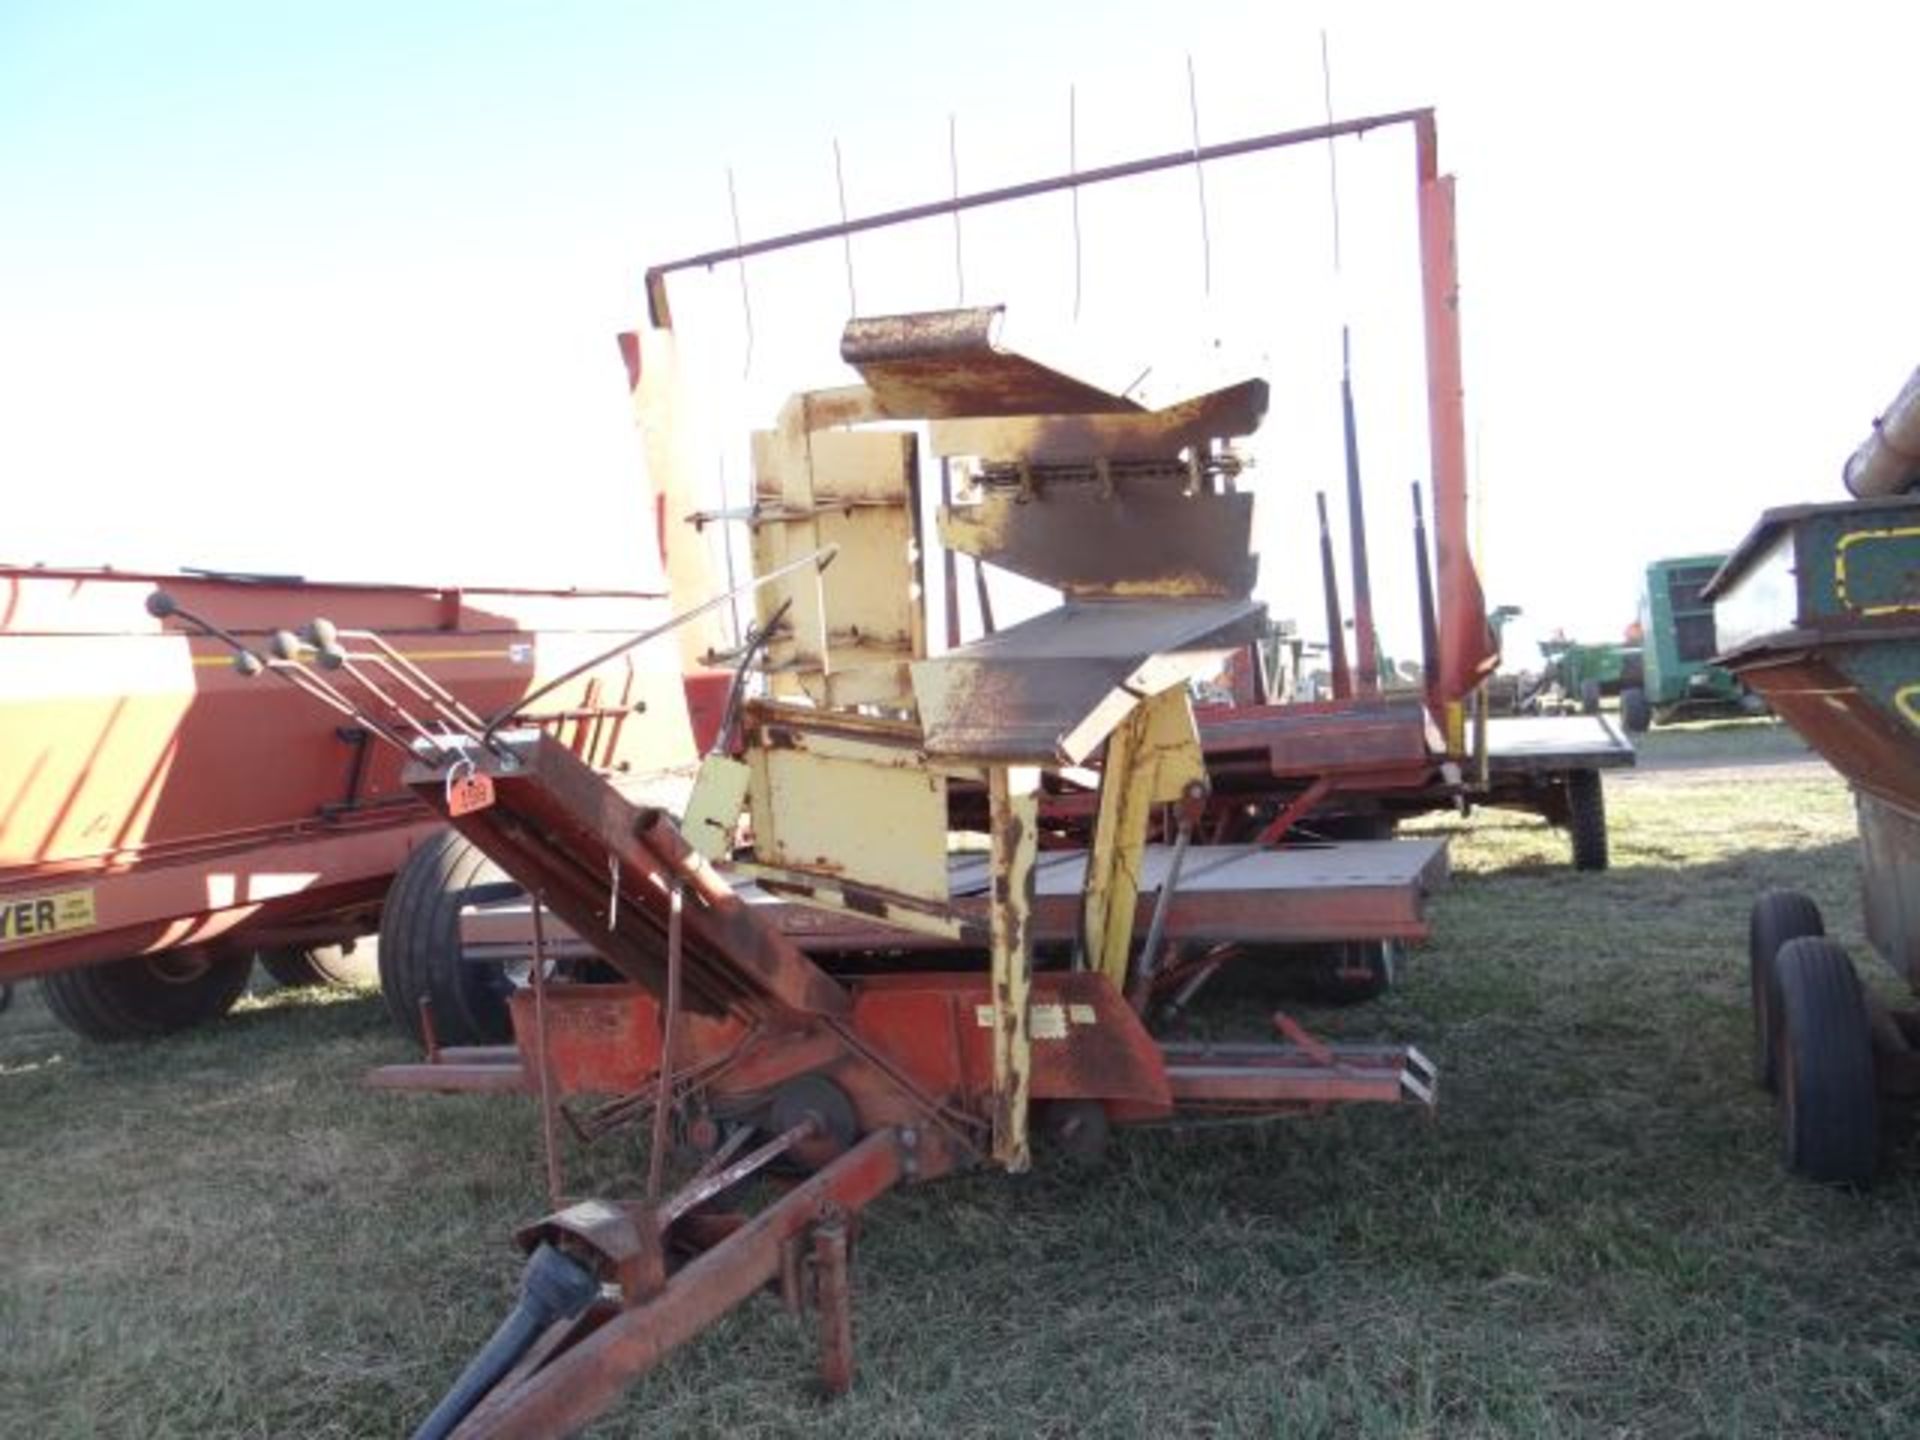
{"x": 1107, "y": 879}
{"x": 1013, "y": 795}
{"x": 1151, "y": 759}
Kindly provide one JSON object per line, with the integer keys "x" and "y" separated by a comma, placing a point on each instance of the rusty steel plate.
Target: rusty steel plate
{"x": 943, "y": 364}
{"x": 1146, "y": 539}
{"x": 1049, "y": 690}
{"x": 1047, "y": 438}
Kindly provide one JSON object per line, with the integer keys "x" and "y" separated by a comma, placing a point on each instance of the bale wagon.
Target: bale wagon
{"x": 783, "y": 1090}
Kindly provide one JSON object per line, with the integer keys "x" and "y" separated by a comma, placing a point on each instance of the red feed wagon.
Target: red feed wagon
{"x": 163, "y": 822}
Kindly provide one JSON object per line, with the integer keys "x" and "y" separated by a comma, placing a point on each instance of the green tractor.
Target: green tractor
{"x": 1678, "y": 680}
{"x": 1584, "y": 673}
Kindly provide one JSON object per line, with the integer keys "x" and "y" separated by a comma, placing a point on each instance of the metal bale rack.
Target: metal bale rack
{"x": 1818, "y": 613}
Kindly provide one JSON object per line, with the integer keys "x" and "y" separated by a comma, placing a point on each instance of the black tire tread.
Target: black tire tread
{"x": 1635, "y": 711}
{"x": 420, "y": 937}
{"x": 301, "y": 966}
{"x": 1777, "y": 917}
{"x": 1587, "y": 819}
{"x": 1828, "y": 1106}
{"x": 122, "y": 1001}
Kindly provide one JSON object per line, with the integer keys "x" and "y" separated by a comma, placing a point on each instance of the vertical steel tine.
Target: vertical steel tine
{"x": 840, "y": 185}
{"x": 1200, "y": 182}
{"x": 746, "y": 303}
{"x": 953, "y": 163}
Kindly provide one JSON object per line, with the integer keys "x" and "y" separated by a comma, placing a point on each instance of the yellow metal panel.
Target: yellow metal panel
{"x": 866, "y": 823}
{"x": 1013, "y": 795}
{"x": 857, "y": 492}
{"x": 1151, "y": 759}
{"x": 713, "y": 810}
{"x": 659, "y": 409}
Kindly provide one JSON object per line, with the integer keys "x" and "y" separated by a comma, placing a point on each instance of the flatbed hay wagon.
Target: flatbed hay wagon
{"x": 1818, "y": 613}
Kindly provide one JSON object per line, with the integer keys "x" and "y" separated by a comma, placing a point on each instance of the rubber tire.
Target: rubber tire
{"x": 1590, "y": 696}
{"x": 134, "y": 999}
{"x": 1777, "y": 917}
{"x": 1587, "y": 819}
{"x": 420, "y": 945}
{"x": 1076, "y": 1129}
{"x": 6, "y": 997}
{"x": 296, "y": 967}
{"x": 1827, "y": 1103}
{"x": 1636, "y": 712}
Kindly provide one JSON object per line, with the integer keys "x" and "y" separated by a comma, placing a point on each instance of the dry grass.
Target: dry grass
{"x": 224, "y": 1235}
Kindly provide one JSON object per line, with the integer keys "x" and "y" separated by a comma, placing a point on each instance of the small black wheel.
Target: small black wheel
{"x": 1076, "y": 1128}
{"x": 6, "y": 996}
{"x": 1636, "y": 712}
{"x": 1826, "y": 1102}
{"x": 815, "y": 1098}
{"x": 1590, "y": 696}
{"x": 1778, "y": 916}
{"x": 300, "y": 966}
{"x": 147, "y": 995}
{"x": 1587, "y": 819}
{"x": 420, "y": 944}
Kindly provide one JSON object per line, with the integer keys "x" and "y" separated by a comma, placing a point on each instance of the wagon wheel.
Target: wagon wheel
{"x": 1587, "y": 819}
{"x": 420, "y": 956}
{"x": 1636, "y": 711}
{"x": 300, "y": 966}
{"x": 1778, "y": 916}
{"x": 1827, "y": 1105}
{"x": 1076, "y": 1128}
{"x": 148, "y": 995}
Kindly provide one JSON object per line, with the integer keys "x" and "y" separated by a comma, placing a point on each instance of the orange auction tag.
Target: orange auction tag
{"x": 470, "y": 792}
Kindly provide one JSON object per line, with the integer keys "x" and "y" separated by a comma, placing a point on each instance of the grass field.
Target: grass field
{"x": 224, "y": 1235}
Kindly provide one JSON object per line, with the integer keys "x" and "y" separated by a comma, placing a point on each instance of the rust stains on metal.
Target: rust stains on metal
{"x": 833, "y": 1296}
{"x": 1055, "y": 434}
{"x": 944, "y": 363}
{"x": 583, "y": 1381}
{"x": 1013, "y": 802}
{"x": 1144, "y": 540}
{"x": 1050, "y": 690}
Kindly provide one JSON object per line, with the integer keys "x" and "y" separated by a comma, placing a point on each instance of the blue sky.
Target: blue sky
{"x": 331, "y": 288}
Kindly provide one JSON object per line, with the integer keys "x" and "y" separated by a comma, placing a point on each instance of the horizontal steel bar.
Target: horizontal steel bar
{"x": 483, "y": 1078}
{"x": 1100, "y": 174}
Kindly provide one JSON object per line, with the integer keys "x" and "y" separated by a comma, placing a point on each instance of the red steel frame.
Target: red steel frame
{"x": 721, "y": 1016}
